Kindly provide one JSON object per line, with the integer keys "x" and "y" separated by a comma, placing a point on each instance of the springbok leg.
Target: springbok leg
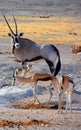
{"x": 51, "y": 93}
{"x": 35, "y": 97}
{"x": 68, "y": 101}
{"x": 59, "y": 104}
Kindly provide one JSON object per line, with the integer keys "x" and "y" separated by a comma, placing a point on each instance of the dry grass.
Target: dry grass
{"x": 35, "y": 106}
{"x": 33, "y": 122}
{"x": 53, "y": 30}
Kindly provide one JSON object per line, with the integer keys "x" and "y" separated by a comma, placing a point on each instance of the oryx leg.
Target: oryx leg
{"x": 24, "y": 68}
{"x": 23, "y": 63}
{"x": 14, "y": 77}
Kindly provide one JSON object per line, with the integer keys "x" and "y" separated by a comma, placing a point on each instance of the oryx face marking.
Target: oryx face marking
{"x": 15, "y": 41}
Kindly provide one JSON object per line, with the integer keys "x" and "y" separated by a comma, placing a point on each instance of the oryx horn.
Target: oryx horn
{"x": 8, "y": 24}
{"x": 15, "y": 24}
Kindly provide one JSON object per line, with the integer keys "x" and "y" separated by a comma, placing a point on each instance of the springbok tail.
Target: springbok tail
{"x": 58, "y": 66}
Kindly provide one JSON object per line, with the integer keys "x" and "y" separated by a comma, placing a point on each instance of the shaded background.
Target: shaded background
{"x": 45, "y": 7}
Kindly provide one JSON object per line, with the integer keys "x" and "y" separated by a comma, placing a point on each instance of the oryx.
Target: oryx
{"x": 26, "y": 50}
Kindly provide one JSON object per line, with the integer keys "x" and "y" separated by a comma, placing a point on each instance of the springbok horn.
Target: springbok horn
{"x": 8, "y": 24}
{"x": 15, "y": 24}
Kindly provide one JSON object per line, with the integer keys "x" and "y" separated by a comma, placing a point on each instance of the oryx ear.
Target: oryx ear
{"x": 21, "y": 34}
{"x": 9, "y": 34}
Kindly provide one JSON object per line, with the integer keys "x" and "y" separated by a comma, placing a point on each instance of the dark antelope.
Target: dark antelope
{"x": 26, "y": 50}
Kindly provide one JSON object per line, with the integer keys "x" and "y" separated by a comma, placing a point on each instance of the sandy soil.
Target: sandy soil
{"x": 41, "y": 16}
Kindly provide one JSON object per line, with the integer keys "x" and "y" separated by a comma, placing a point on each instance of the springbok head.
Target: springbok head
{"x": 15, "y": 36}
{"x": 76, "y": 49}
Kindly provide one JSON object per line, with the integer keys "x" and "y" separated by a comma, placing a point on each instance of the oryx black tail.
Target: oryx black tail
{"x": 58, "y": 65}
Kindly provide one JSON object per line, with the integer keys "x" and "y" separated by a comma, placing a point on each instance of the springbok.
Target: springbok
{"x": 66, "y": 84}
{"x": 34, "y": 79}
{"x": 26, "y": 50}
{"x": 76, "y": 50}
